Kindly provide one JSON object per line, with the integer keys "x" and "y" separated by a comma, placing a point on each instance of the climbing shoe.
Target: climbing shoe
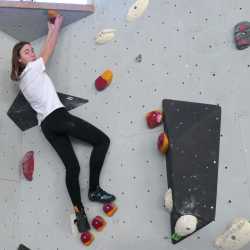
{"x": 99, "y": 195}
{"x": 81, "y": 220}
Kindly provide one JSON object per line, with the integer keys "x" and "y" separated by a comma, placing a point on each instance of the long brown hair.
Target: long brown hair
{"x": 17, "y": 67}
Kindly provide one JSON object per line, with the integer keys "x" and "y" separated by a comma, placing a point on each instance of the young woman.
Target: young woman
{"x": 57, "y": 124}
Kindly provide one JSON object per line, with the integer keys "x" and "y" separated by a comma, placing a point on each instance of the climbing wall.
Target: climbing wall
{"x": 187, "y": 54}
{"x": 10, "y": 153}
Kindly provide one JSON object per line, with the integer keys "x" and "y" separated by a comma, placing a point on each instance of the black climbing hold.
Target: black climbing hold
{"x": 22, "y": 247}
{"x": 138, "y": 58}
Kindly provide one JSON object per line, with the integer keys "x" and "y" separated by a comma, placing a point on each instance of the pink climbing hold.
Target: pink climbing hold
{"x": 28, "y": 165}
{"x": 242, "y": 42}
{"x": 242, "y": 27}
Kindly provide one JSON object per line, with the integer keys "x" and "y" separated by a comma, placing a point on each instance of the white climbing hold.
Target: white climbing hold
{"x": 169, "y": 200}
{"x": 236, "y": 236}
{"x": 105, "y": 36}
{"x": 137, "y": 9}
{"x": 186, "y": 225}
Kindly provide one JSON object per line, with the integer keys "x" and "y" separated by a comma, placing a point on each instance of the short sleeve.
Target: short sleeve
{"x": 37, "y": 65}
{"x": 34, "y": 68}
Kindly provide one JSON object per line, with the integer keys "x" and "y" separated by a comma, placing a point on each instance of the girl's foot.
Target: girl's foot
{"x": 81, "y": 220}
{"x": 99, "y": 195}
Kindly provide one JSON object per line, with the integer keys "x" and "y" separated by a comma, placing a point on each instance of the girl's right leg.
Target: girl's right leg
{"x": 62, "y": 145}
{"x": 64, "y": 149}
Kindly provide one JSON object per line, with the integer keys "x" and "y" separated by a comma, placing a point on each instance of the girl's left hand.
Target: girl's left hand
{"x": 56, "y": 25}
{"x": 58, "y": 22}
{"x": 51, "y": 26}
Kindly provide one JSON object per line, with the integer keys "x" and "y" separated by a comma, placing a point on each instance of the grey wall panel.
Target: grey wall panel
{"x": 9, "y": 229}
{"x": 10, "y": 137}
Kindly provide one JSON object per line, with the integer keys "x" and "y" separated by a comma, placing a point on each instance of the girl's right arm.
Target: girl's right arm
{"x": 51, "y": 40}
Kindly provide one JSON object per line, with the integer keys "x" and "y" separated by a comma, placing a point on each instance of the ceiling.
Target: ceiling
{"x": 27, "y": 21}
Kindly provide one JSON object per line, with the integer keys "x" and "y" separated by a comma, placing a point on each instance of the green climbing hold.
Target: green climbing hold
{"x": 176, "y": 237}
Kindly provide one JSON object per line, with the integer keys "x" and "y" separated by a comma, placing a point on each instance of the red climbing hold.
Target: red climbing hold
{"x": 104, "y": 80}
{"x": 87, "y": 238}
{"x": 109, "y": 208}
{"x": 98, "y": 223}
{"x": 28, "y": 165}
{"x": 154, "y": 118}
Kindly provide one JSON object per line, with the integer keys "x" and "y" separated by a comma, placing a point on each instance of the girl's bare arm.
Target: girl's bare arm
{"x": 51, "y": 40}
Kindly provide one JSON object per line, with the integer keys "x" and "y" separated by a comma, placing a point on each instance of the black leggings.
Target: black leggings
{"x": 57, "y": 127}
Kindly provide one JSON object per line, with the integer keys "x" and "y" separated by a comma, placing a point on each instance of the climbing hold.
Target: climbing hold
{"x": 137, "y": 9}
{"x": 104, "y": 80}
{"x": 242, "y": 35}
{"x": 138, "y": 58}
{"x": 28, "y": 165}
{"x": 22, "y": 247}
{"x": 169, "y": 200}
{"x": 176, "y": 237}
{"x": 163, "y": 143}
{"x": 154, "y": 118}
{"x": 186, "y": 225}
{"x": 98, "y": 223}
{"x": 52, "y": 14}
{"x": 236, "y": 236}
{"x": 87, "y": 238}
{"x": 105, "y": 36}
{"x": 109, "y": 208}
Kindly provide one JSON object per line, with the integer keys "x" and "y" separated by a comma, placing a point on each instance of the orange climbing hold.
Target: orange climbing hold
{"x": 163, "y": 143}
{"x": 104, "y": 80}
{"x": 52, "y": 14}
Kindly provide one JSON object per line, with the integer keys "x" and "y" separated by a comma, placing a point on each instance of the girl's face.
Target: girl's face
{"x": 27, "y": 54}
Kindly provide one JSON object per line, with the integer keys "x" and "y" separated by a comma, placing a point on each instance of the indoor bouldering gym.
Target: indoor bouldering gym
{"x": 124, "y": 125}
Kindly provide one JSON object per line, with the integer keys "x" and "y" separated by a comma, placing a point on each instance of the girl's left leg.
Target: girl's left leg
{"x": 85, "y": 131}
{"x": 62, "y": 145}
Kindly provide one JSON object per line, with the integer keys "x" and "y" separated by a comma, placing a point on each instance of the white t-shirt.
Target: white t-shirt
{"x": 38, "y": 89}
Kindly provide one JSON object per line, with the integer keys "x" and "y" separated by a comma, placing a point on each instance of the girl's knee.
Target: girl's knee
{"x": 106, "y": 141}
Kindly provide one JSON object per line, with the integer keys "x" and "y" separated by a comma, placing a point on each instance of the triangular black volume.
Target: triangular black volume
{"x": 22, "y": 247}
{"x": 193, "y": 130}
{"x": 25, "y": 117}
{"x": 71, "y": 102}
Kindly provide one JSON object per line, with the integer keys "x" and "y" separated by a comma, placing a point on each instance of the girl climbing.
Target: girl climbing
{"x": 57, "y": 124}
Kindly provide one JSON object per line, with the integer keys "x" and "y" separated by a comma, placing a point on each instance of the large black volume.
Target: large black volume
{"x": 193, "y": 130}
